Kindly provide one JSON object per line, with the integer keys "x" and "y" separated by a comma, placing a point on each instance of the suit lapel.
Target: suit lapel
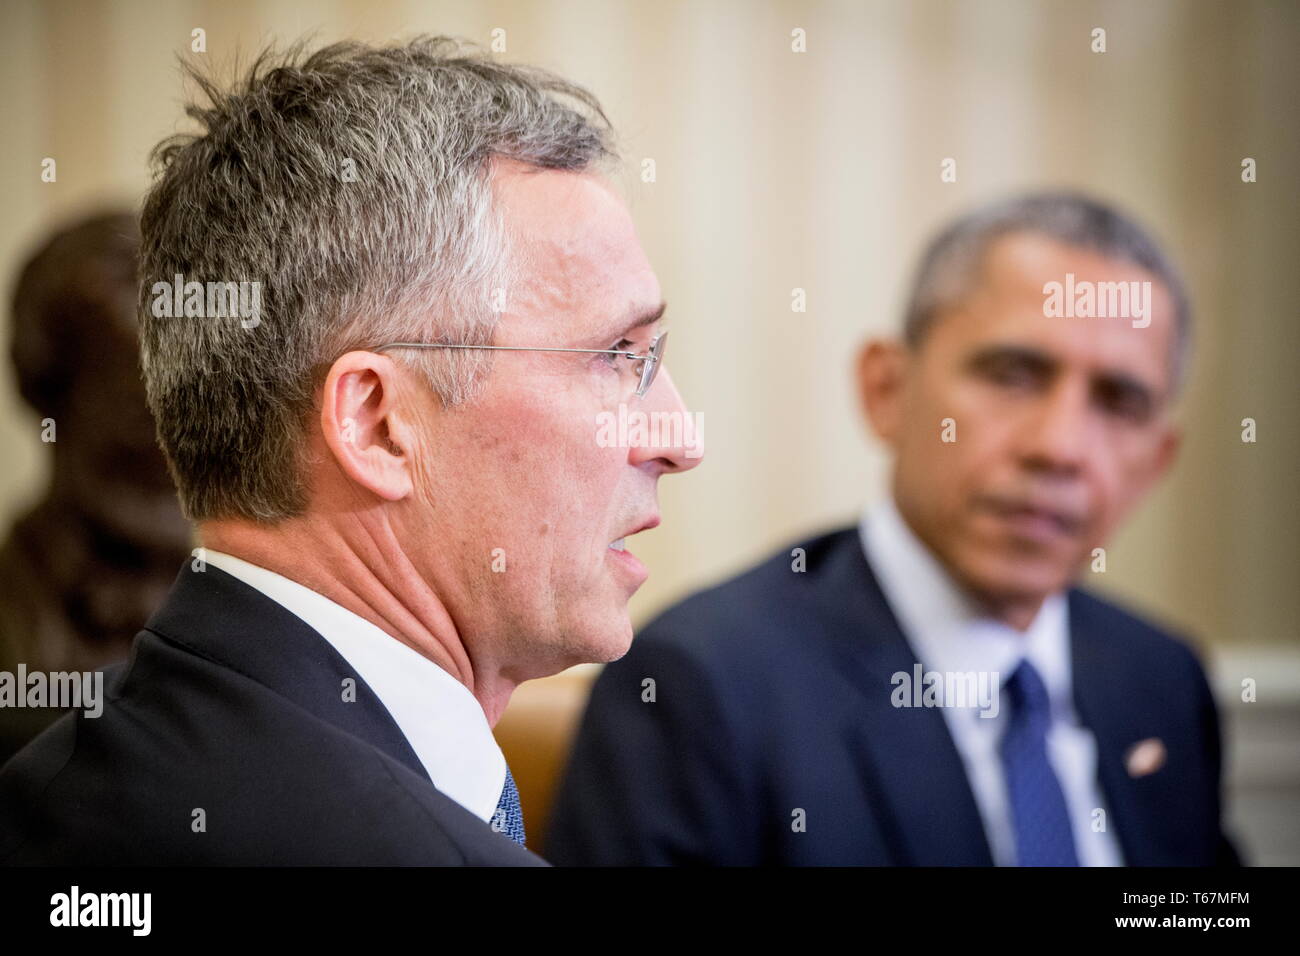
{"x": 924, "y": 800}
{"x": 924, "y": 794}
{"x": 220, "y": 618}
{"x": 1104, "y": 700}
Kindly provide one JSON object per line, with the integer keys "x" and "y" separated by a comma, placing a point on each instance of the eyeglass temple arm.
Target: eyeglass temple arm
{"x": 503, "y": 348}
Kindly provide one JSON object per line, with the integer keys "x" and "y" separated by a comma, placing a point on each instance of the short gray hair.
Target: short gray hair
{"x": 952, "y": 261}
{"x": 353, "y": 184}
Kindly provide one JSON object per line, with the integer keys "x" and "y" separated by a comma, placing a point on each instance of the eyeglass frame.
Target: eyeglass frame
{"x": 653, "y": 357}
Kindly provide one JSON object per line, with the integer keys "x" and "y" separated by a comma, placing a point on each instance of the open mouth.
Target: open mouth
{"x": 628, "y": 564}
{"x": 618, "y": 544}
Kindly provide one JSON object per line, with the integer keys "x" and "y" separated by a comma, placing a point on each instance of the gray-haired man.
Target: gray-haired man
{"x": 387, "y": 294}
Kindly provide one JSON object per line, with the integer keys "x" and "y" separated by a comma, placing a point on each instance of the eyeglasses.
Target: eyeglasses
{"x": 650, "y": 361}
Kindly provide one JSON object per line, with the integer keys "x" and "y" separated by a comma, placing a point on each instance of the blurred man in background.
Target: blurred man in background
{"x": 83, "y": 569}
{"x": 930, "y": 687}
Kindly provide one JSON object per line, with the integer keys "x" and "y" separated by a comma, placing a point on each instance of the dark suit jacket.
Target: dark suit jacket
{"x": 231, "y": 704}
{"x": 772, "y": 696}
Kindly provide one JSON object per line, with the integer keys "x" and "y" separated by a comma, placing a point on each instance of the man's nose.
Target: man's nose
{"x": 675, "y": 436}
{"x": 1055, "y": 434}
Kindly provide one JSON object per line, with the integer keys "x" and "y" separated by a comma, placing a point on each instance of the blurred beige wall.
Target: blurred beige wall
{"x": 817, "y": 170}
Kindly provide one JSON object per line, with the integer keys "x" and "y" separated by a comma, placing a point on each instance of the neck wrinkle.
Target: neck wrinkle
{"x": 361, "y": 576}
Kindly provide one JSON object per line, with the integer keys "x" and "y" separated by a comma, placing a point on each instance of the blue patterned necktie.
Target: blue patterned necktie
{"x": 1038, "y": 809}
{"x": 508, "y": 818}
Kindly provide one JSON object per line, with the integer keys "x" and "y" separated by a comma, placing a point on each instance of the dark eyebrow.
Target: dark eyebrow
{"x": 993, "y": 354}
{"x": 644, "y": 318}
{"x": 1109, "y": 382}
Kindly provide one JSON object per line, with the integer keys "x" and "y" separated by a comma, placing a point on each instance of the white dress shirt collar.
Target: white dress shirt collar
{"x": 437, "y": 714}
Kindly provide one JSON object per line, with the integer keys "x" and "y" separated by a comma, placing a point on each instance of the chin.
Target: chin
{"x": 620, "y": 638}
{"x": 1019, "y": 579}
{"x": 614, "y": 646}
{"x": 1002, "y": 574}
{"x": 599, "y": 639}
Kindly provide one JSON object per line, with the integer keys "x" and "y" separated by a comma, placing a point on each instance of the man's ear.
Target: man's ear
{"x": 1166, "y": 452}
{"x": 880, "y": 374}
{"x": 363, "y": 425}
